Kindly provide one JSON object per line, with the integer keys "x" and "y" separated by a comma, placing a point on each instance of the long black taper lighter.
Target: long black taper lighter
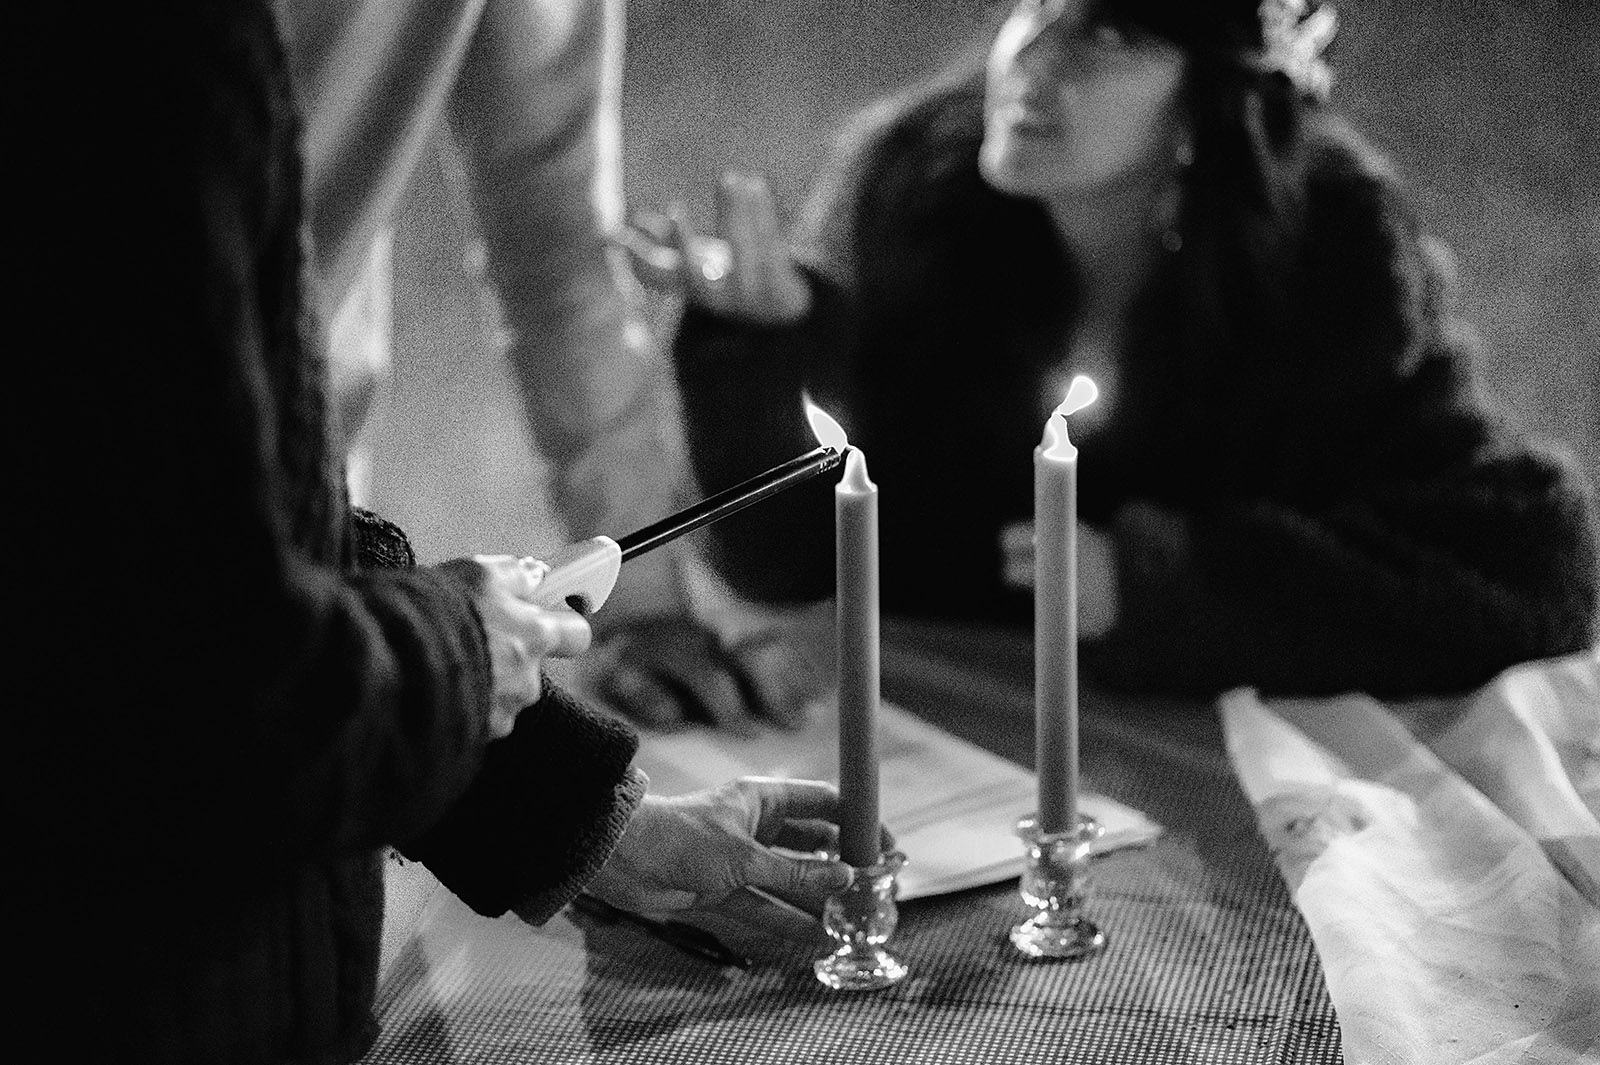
{"x": 583, "y": 574}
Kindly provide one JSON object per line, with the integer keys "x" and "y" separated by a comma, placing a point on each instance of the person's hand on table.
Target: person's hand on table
{"x": 745, "y": 271}
{"x": 666, "y": 671}
{"x": 688, "y": 851}
{"x": 1098, "y": 601}
{"x": 520, "y": 632}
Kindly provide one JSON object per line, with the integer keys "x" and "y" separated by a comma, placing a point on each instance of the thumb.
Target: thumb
{"x": 806, "y": 882}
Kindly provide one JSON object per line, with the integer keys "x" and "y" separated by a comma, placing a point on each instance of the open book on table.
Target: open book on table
{"x": 952, "y": 806}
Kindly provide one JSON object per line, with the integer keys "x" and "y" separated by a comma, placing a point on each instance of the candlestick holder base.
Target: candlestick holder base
{"x": 860, "y": 919}
{"x": 1055, "y": 882}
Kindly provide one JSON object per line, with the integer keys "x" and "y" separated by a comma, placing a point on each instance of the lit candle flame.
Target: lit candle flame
{"x": 1080, "y": 394}
{"x": 829, "y": 433}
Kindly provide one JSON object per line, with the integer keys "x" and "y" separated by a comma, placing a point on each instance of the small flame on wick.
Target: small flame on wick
{"x": 829, "y": 433}
{"x": 1080, "y": 394}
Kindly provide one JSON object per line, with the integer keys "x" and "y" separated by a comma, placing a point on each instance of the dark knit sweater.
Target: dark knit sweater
{"x": 222, "y": 719}
{"x": 1334, "y": 507}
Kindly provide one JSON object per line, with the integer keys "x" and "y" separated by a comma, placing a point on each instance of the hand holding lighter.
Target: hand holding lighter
{"x": 581, "y": 575}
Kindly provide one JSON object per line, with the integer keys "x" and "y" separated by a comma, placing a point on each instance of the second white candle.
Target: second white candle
{"x": 1055, "y": 613}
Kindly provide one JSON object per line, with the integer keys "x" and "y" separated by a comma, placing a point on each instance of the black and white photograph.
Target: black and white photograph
{"x": 855, "y": 532}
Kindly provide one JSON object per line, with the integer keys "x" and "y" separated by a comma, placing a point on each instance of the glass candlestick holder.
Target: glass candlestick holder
{"x": 1055, "y": 882}
{"x": 860, "y": 919}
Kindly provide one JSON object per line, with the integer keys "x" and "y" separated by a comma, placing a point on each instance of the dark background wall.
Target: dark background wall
{"x": 1488, "y": 110}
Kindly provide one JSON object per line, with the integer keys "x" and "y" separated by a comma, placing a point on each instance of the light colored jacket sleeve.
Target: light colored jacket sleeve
{"x": 371, "y": 78}
{"x": 536, "y": 115}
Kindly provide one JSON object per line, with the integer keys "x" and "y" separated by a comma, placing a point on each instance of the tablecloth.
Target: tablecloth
{"x": 1445, "y": 855}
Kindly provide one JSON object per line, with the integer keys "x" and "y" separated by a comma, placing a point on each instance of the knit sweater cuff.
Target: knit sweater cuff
{"x": 378, "y": 543}
{"x": 542, "y": 815}
{"x": 591, "y": 850}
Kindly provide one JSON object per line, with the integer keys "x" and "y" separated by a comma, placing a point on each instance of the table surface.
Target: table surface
{"x": 1208, "y": 960}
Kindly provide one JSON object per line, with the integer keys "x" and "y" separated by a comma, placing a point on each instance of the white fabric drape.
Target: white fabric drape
{"x": 1445, "y": 855}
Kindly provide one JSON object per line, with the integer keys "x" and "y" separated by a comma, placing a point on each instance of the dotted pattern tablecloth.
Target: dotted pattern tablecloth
{"x": 1208, "y": 959}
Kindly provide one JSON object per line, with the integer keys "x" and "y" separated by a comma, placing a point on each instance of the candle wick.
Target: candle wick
{"x": 855, "y": 477}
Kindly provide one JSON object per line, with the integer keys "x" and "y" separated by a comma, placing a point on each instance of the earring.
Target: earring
{"x": 1183, "y": 149}
{"x": 1168, "y": 209}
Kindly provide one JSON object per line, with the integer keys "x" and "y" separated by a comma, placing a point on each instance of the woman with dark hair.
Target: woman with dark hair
{"x": 1290, "y": 480}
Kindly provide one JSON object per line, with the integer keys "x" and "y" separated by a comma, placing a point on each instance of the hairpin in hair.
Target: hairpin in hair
{"x": 1293, "y": 38}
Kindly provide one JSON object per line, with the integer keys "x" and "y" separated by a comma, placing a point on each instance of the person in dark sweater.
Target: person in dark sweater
{"x": 232, "y": 692}
{"x": 1292, "y": 479}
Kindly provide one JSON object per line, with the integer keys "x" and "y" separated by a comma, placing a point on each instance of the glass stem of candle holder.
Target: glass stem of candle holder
{"x": 1055, "y": 882}
{"x": 860, "y": 920}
